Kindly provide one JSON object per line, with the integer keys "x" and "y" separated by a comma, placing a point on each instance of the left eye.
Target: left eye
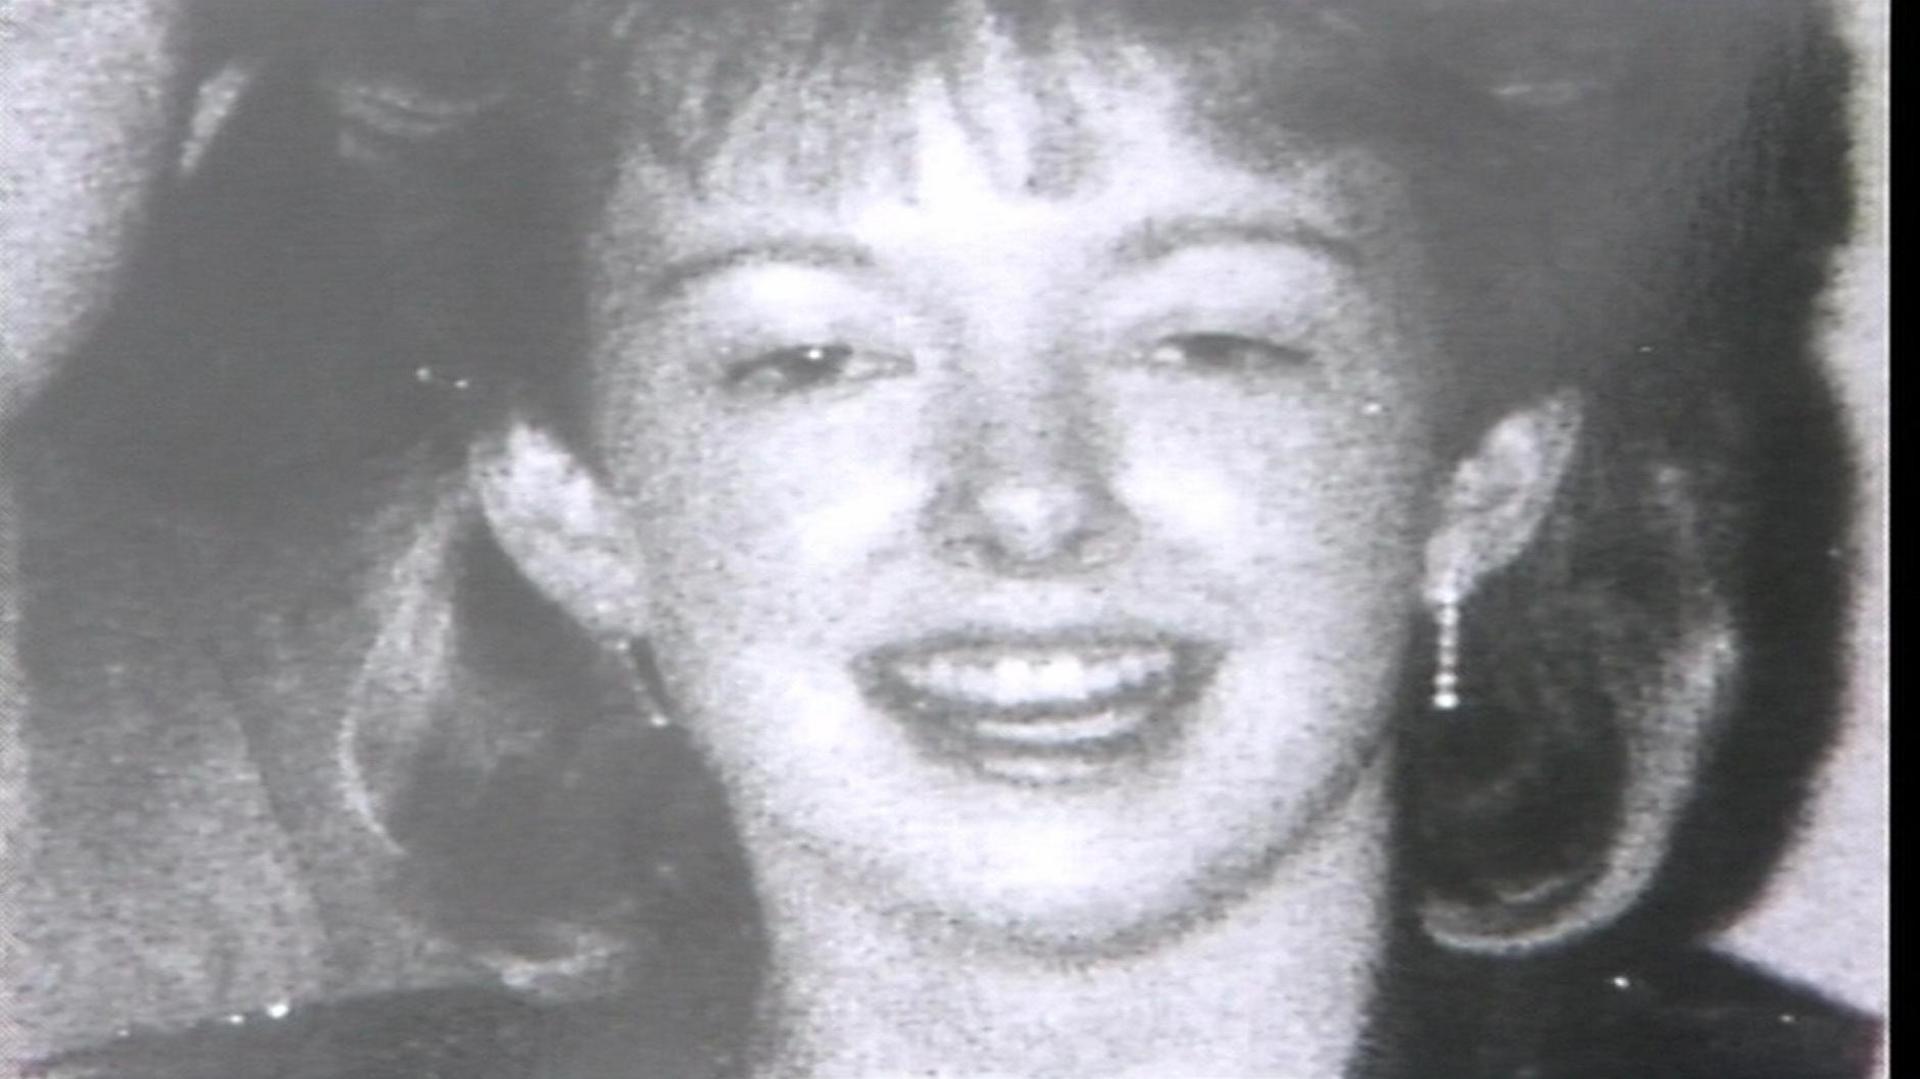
{"x": 1224, "y": 353}
{"x": 804, "y": 367}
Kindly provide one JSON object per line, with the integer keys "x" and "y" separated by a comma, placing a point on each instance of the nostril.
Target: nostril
{"x": 1104, "y": 541}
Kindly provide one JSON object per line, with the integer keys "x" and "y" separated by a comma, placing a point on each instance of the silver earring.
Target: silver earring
{"x": 1446, "y": 660}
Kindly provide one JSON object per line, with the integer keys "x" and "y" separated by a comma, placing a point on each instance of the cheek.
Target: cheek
{"x": 1192, "y": 501}
{"x": 766, "y": 514}
{"x": 759, "y": 538}
{"x": 858, "y": 512}
{"x": 1300, "y": 482}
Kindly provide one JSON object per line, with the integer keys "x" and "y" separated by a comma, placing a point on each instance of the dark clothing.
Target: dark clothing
{"x": 1692, "y": 1016}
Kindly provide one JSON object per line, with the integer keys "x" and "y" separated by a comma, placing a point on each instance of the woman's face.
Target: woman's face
{"x": 1040, "y": 556}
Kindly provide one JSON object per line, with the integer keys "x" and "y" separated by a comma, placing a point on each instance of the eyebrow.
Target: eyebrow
{"x": 817, "y": 252}
{"x": 1158, "y": 238}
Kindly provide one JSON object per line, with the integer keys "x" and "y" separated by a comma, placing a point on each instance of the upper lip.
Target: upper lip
{"x": 1066, "y": 672}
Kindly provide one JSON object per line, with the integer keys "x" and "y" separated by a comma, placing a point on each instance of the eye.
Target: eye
{"x": 800, "y": 368}
{"x": 1225, "y": 353}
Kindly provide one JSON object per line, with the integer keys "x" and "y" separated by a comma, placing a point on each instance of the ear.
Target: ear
{"x": 566, "y": 532}
{"x": 1499, "y": 494}
{"x": 1667, "y": 708}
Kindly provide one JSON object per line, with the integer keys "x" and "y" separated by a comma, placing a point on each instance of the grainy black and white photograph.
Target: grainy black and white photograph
{"x": 954, "y": 539}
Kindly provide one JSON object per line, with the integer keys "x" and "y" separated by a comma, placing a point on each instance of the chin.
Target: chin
{"x": 1093, "y": 903}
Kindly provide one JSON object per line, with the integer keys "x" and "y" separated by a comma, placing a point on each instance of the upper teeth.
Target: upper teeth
{"x": 1037, "y": 677}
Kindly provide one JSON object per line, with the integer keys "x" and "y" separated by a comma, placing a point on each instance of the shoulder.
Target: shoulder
{"x": 1688, "y": 1015}
{"x": 1692, "y": 1015}
{"x": 437, "y": 1034}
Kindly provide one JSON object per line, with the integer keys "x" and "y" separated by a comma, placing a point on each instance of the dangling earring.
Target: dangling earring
{"x": 646, "y": 683}
{"x": 1446, "y": 660}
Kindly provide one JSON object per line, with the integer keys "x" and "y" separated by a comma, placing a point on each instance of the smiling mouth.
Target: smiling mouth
{"x": 1040, "y": 710}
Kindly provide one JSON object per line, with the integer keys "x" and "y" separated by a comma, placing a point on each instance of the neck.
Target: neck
{"x": 1278, "y": 983}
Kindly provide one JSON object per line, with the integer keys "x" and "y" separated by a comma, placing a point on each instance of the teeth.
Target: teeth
{"x": 1038, "y": 679}
{"x": 1014, "y": 680}
{"x": 1062, "y": 676}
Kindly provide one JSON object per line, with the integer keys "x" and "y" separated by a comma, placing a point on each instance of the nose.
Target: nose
{"x": 1030, "y": 495}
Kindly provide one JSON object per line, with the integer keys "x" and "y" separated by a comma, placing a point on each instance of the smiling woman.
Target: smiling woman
{"x": 1035, "y": 427}
{"x": 1236, "y": 539}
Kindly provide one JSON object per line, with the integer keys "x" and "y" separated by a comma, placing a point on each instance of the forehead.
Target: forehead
{"x": 1003, "y": 140}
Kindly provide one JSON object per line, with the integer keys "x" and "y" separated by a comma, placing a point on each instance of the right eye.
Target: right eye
{"x": 799, "y": 368}
{"x": 1225, "y": 353}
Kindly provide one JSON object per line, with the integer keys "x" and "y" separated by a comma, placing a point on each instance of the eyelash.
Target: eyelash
{"x": 799, "y": 368}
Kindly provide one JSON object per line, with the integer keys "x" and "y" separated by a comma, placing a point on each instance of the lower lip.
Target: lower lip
{"x": 1052, "y": 750}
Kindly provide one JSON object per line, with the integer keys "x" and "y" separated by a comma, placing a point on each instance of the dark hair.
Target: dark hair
{"x": 1632, "y": 197}
{"x": 1579, "y": 165}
